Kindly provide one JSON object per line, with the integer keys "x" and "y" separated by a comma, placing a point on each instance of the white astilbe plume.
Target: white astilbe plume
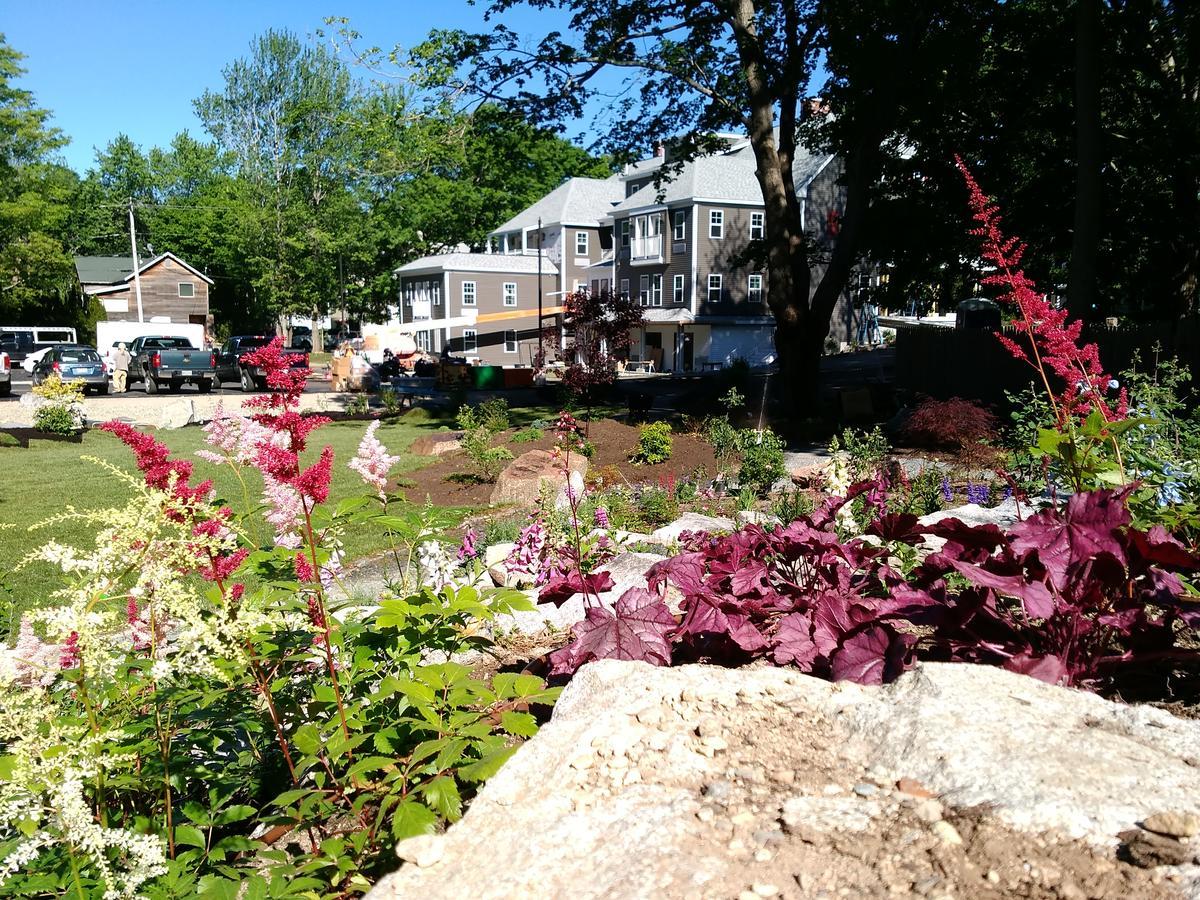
{"x": 285, "y": 511}
{"x": 43, "y": 799}
{"x": 372, "y": 462}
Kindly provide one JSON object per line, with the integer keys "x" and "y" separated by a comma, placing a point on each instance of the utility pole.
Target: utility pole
{"x": 541, "y": 357}
{"x": 137, "y": 278}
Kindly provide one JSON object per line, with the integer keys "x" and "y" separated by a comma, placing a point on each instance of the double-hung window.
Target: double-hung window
{"x": 714, "y": 288}
{"x": 624, "y": 232}
{"x": 624, "y": 287}
{"x": 756, "y": 226}
{"x": 581, "y": 243}
{"x": 435, "y": 292}
{"x": 644, "y": 290}
{"x": 647, "y": 237}
{"x": 469, "y": 293}
{"x": 677, "y": 290}
{"x": 470, "y": 341}
{"x": 510, "y": 341}
{"x": 716, "y": 223}
{"x": 510, "y": 293}
{"x": 754, "y": 289}
{"x": 680, "y": 230}
{"x": 656, "y": 290}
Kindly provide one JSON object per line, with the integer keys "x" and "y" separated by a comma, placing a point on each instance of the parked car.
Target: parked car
{"x": 165, "y": 361}
{"x": 32, "y": 359}
{"x": 5, "y": 374}
{"x": 334, "y": 339}
{"x": 74, "y": 364}
{"x": 230, "y": 366}
{"x": 302, "y": 338}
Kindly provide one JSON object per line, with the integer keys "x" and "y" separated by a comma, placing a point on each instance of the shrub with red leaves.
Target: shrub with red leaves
{"x": 953, "y": 424}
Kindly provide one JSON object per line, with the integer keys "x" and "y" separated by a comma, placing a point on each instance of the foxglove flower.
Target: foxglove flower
{"x": 601, "y": 517}
{"x": 468, "y": 550}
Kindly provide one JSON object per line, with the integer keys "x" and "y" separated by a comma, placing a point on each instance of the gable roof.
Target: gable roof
{"x": 502, "y": 263}
{"x": 577, "y": 201}
{"x": 728, "y": 177}
{"x": 119, "y": 269}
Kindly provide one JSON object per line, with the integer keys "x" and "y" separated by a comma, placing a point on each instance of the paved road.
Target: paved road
{"x": 22, "y": 385}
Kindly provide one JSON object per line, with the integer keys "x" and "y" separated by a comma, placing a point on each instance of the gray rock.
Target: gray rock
{"x": 176, "y": 414}
{"x": 755, "y": 517}
{"x": 691, "y": 521}
{"x": 1039, "y": 758}
{"x": 1004, "y": 514}
{"x": 628, "y": 570}
{"x": 1173, "y": 824}
{"x": 437, "y": 444}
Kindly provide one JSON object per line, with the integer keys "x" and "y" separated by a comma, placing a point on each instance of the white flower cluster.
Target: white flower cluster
{"x": 32, "y": 661}
{"x": 42, "y": 797}
{"x": 838, "y": 482}
{"x": 434, "y": 564}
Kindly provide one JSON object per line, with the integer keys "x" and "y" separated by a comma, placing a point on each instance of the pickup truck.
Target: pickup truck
{"x": 161, "y": 361}
{"x": 230, "y": 366}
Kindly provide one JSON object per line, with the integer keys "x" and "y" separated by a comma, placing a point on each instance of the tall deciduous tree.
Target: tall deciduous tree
{"x": 35, "y": 269}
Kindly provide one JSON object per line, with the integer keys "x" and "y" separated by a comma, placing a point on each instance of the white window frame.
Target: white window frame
{"x": 644, "y": 290}
{"x": 470, "y": 340}
{"x": 190, "y": 286}
{"x": 757, "y": 225}
{"x": 677, "y": 290}
{"x": 508, "y": 342}
{"x": 624, "y": 287}
{"x": 424, "y": 341}
{"x": 435, "y": 293}
{"x": 715, "y": 283}
{"x": 716, "y": 224}
{"x": 679, "y": 232}
{"x": 471, "y": 297}
{"x": 581, "y": 243}
{"x": 509, "y": 293}
{"x": 625, "y": 231}
{"x": 754, "y": 288}
{"x": 656, "y": 284}
{"x": 647, "y": 238}
{"x": 581, "y": 287}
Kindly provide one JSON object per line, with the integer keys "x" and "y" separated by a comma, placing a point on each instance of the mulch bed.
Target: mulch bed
{"x": 614, "y": 442}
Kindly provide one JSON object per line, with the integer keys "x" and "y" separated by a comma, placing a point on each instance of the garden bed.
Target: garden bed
{"x": 614, "y": 442}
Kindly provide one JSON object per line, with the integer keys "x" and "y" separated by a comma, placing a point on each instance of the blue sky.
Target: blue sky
{"x": 104, "y": 67}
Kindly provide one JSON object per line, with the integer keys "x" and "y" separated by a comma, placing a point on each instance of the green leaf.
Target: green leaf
{"x": 307, "y": 739}
{"x": 197, "y": 813}
{"x": 486, "y": 767}
{"x": 371, "y": 764}
{"x": 442, "y": 794}
{"x": 519, "y": 723}
{"x": 189, "y": 836}
{"x": 411, "y": 819}
{"x": 8, "y": 764}
{"x": 234, "y": 814}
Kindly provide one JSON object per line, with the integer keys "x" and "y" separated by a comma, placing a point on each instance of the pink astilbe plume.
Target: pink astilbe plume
{"x": 161, "y": 472}
{"x": 373, "y": 462}
{"x": 1054, "y": 341}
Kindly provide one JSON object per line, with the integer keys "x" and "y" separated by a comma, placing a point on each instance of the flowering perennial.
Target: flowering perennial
{"x": 372, "y": 461}
{"x": 1054, "y": 341}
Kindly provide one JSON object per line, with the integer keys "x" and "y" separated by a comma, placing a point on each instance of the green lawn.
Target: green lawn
{"x": 42, "y": 480}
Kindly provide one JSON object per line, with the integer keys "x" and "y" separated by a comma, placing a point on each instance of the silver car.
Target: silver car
{"x": 81, "y": 365}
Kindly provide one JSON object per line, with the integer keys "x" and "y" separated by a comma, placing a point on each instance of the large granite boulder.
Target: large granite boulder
{"x": 437, "y": 444}
{"x": 955, "y": 781}
{"x": 522, "y": 481}
{"x": 691, "y": 521}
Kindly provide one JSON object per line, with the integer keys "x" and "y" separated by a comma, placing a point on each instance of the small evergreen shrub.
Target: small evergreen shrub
{"x": 528, "y": 435}
{"x": 654, "y": 444}
{"x": 762, "y": 460}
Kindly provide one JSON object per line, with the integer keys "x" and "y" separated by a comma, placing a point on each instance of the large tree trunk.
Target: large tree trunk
{"x": 1085, "y": 245}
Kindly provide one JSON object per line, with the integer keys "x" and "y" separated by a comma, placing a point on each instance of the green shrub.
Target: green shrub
{"x": 657, "y": 506}
{"x": 61, "y": 409}
{"x": 867, "y": 451}
{"x": 586, "y": 449}
{"x": 722, "y": 436}
{"x": 792, "y": 505}
{"x": 358, "y": 405}
{"x": 762, "y": 460}
{"x": 486, "y": 460}
{"x": 491, "y": 415}
{"x": 528, "y": 435}
{"x": 390, "y": 400}
{"x": 654, "y": 444}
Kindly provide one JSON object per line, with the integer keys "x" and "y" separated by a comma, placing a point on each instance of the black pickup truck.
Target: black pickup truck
{"x": 160, "y": 361}
{"x": 231, "y": 367}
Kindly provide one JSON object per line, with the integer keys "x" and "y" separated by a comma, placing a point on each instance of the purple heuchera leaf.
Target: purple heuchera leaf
{"x": 1049, "y": 669}
{"x": 685, "y": 571}
{"x": 636, "y": 629}
{"x": 562, "y": 588}
{"x": 1089, "y": 528}
{"x": 871, "y": 656}
{"x": 794, "y": 643}
{"x": 706, "y": 615}
{"x": 1039, "y": 603}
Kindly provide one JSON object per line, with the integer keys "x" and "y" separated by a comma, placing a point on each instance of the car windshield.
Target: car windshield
{"x": 78, "y": 356}
{"x": 168, "y": 343}
{"x": 251, "y": 343}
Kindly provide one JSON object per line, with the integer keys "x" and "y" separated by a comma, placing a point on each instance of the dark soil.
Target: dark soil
{"x": 614, "y": 442}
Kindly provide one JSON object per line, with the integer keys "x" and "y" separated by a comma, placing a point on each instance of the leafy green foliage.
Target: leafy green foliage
{"x": 654, "y": 444}
{"x": 480, "y": 424}
{"x": 61, "y": 408}
{"x": 762, "y": 460}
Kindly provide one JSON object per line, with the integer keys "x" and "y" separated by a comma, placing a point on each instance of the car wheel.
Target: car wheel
{"x": 5, "y": 389}
{"x": 102, "y": 390}
{"x": 247, "y": 382}
{"x": 151, "y": 384}
{"x": 204, "y": 385}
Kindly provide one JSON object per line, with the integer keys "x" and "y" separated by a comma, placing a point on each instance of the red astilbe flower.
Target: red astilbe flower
{"x": 313, "y": 482}
{"x": 1054, "y": 341}
{"x": 161, "y": 472}
{"x": 304, "y": 569}
{"x": 70, "y": 656}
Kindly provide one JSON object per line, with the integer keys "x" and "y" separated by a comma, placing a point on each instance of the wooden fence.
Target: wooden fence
{"x": 946, "y": 362}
